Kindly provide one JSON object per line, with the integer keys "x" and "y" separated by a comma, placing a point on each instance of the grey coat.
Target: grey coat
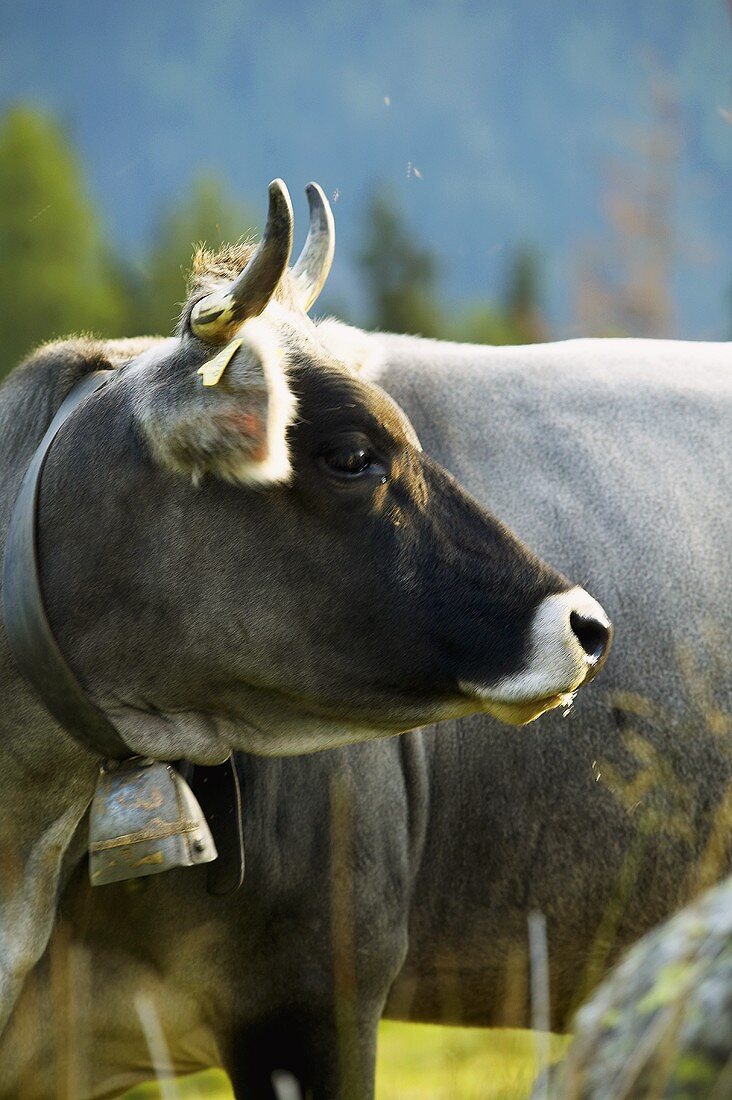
{"x": 397, "y": 877}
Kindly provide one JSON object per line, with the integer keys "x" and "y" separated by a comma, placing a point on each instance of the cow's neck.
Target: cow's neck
{"x": 46, "y": 784}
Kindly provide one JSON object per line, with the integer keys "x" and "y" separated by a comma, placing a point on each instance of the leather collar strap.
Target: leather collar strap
{"x": 28, "y": 630}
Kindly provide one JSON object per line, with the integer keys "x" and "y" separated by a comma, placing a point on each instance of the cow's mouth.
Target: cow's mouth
{"x": 518, "y": 711}
{"x": 520, "y": 714}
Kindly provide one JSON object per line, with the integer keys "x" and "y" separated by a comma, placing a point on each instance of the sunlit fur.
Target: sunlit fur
{"x": 350, "y": 345}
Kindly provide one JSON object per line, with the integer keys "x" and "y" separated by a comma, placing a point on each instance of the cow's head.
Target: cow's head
{"x": 259, "y": 555}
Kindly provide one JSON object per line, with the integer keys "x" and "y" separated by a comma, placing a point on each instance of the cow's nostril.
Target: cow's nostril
{"x": 593, "y": 634}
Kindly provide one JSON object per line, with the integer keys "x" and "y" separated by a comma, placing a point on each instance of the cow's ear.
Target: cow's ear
{"x": 228, "y": 418}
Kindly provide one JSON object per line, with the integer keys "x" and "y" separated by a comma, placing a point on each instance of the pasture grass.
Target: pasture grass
{"x": 426, "y": 1062}
{"x": 416, "y": 1062}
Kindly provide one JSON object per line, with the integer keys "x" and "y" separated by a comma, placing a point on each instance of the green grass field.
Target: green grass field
{"x": 416, "y": 1062}
{"x": 422, "y": 1062}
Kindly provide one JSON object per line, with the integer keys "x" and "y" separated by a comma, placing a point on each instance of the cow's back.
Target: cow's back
{"x": 613, "y": 460}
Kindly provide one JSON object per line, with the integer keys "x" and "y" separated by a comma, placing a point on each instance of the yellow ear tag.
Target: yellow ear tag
{"x": 211, "y": 372}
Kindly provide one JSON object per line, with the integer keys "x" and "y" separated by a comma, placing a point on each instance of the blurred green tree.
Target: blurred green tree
{"x": 516, "y": 319}
{"x": 482, "y": 323}
{"x": 207, "y": 215}
{"x": 521, "y": 297}
{"x": 56, "y": 273}
{"x": 399, "y": 274}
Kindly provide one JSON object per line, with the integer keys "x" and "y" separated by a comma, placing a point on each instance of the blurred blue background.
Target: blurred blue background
{"x": 551, "y": 169}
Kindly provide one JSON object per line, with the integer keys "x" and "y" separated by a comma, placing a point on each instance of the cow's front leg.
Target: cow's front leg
{"x": 30, "y": 873}
{"x": 307, "y": 1053}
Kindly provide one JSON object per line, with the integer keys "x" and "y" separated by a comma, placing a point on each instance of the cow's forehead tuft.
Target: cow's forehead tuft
{"x": 222, "y": 265}
{"x": 213, "y": 268}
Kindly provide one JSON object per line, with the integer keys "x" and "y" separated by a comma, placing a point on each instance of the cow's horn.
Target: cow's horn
{"x": 213, "y": 317}
{"x": 313, "y": 263}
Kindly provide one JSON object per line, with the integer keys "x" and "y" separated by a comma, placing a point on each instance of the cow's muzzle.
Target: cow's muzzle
{"x": 570, "y": 639}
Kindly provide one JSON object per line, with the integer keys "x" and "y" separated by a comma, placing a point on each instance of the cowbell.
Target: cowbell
{"x": 144, "y": 819}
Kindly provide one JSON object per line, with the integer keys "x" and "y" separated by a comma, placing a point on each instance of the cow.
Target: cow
{"x": 243, "y": 545}
{"x": 396, "y": 878}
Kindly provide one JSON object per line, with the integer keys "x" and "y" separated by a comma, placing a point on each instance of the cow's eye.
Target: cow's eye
{"x": 350, "y": 460}
{"x": 347, "y": 461}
